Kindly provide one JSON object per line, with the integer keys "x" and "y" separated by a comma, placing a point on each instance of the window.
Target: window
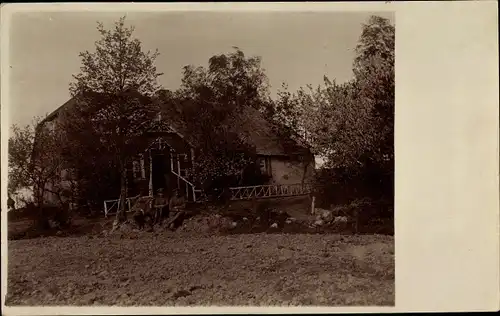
{"x": 264, "y": 165}
{"x": 135, "y": 169}
{"x": 143, "y": 170}
{"x": 138, "y": 170}
{"x": 180, "y": 157}
{"x": 160, "y": 143}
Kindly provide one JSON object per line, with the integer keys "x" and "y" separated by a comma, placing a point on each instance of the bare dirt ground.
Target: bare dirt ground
{"x": 199, "y": 264}
{"x": 177, "y": 268}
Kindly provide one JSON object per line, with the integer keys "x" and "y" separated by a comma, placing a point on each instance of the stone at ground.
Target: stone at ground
{"x": 318, "y": 222}
{"x": 290, "y": 220}
{"x": 324, "y": 215}
{"x": 341, "y": 219}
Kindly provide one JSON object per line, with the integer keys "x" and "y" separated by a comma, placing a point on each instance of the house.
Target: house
{"x": 168, "y": 153}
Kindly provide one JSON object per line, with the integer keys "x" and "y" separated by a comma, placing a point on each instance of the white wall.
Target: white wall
{"x": 290, "y": 172}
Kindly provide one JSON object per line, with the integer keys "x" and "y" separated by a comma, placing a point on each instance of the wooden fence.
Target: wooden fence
{"x": 237, "y": 193}
{"x": 111, "y": 206}
{"x": 262, "y": 191}
{"x": 268, "y": 191}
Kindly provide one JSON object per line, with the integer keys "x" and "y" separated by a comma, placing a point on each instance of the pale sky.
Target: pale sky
{"x": 296, "y": 48}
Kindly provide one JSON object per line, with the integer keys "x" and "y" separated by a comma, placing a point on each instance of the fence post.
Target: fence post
{"x": 150, "y": 186}
{"x": 313, "y": 200}
{"x": 105, "y": 210}
{"x": 178, "y": 171}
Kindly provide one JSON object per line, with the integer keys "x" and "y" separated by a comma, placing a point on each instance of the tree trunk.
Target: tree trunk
{"x": 40, "y": 192}
{"x": 121, "y": 214}
{"x": 41, "y": 220}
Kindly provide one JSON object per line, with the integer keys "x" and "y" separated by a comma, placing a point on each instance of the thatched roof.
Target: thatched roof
{"x": 265, "y": 137}
{"x": 54, "y": 114}
{"x": 258, "y": 130}
{"x": 253, "y": 125}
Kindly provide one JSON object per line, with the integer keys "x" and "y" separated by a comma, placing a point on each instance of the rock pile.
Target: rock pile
{"x": 243, "y": 222}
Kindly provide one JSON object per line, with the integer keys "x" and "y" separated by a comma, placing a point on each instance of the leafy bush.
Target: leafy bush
{"x": 47, "y": 217}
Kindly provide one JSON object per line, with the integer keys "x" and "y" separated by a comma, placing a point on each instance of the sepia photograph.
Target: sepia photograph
{"x": 201, "y": 158}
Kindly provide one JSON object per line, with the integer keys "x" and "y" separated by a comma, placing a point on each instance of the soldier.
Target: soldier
{"x": 160, "y": 205}
{"x": 177, "y": 205}
{"x": 143, "y": 210}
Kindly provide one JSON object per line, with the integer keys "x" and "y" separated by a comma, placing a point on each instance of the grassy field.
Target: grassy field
{"x": 175, "y": 268}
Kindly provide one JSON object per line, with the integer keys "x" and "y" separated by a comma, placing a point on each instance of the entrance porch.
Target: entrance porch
{"x": 162, "y": 166}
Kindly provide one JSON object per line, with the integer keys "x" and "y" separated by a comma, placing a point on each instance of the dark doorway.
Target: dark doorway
{"x": 161, "y": 168}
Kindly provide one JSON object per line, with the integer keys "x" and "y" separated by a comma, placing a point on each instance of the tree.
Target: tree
{"x": 362, "y": 139}
{"x": 213, "y": 102}
{"x": 113, "y": 93}
{"x": 34, "y": 164}
{"x": 307, "y": 115}
{"x": 351, "y": 124}
{"x": 374, "y": 71}
{"x": 288, "y": 114}
{"x": 362, "y": 132}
